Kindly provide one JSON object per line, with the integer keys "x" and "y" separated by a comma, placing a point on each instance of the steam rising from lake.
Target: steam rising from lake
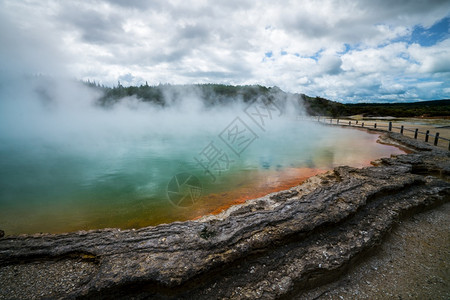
{"x": 68, "y": 163}
{"x": 67, "y": 113}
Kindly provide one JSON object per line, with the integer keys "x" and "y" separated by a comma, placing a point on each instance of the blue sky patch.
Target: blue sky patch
{"x": 347, "y": 48}
{"x": 317, "y": 55}
{"x": 431, "y": 36}
{"x": 427, "y": 37}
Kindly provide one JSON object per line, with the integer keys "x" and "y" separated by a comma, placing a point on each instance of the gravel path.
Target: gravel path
{"x": 43, "y": 280}
{"x": 412, "y": 263}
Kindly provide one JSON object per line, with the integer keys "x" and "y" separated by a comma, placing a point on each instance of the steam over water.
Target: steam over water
{"x": 67, "y": 163}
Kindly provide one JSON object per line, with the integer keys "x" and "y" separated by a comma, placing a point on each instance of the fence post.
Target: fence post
{"x": 362, "y": 124}
{"x": 415, "y": 133}
{"x": 337, "y": 122}
{"x": 401, "y": 129}
{"x": 436, "y": 138}
{"x": 390, "y": 126}
{"x": 349, "y": 123}
{"x": 427, "y": 135}
{"x": 375, "y": 125}
{"x": 331, "y": 121}
{"x": 356, "y": 121}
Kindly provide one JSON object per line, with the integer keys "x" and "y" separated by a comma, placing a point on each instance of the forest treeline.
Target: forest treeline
{"x": 219, "y": 94}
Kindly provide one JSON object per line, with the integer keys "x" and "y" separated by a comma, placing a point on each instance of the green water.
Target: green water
{"x": 122, "y": 182}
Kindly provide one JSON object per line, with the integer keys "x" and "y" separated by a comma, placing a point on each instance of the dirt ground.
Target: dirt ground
{"x": 413, "y": 262}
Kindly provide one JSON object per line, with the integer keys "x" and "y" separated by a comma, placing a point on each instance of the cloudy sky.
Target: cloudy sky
{"x": 348, "y": 51}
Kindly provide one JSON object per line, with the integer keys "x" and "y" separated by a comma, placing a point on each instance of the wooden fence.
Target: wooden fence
{"x": 388, "y": 127}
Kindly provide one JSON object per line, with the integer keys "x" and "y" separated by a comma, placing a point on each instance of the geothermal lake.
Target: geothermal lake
{"x": 135, "y": 180}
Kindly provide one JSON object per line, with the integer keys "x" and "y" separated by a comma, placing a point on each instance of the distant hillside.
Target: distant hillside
{"x": 218, "y": 94}
{"x": 434, "y": 108}
{"x": 210, "y": 94}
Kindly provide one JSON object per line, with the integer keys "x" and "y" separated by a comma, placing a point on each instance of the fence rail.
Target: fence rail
{"x": 389, "y": 126}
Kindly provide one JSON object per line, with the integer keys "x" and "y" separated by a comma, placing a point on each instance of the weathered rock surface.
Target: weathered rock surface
{"x": 269, "y": 247}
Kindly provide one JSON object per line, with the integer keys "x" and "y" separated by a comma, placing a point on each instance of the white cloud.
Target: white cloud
{"x": 347, "y": 50}
{"x": 434, "y": 59}
{"x": 372, "y": 60}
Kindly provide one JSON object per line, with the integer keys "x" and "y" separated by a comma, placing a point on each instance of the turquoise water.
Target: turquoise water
{"x": 122, "y": 181}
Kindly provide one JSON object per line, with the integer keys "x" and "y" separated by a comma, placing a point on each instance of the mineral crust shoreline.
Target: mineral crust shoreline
{"x": 272, "y": 247}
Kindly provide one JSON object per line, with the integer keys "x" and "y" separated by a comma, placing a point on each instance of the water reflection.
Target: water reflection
{"x": 51, "y": 189}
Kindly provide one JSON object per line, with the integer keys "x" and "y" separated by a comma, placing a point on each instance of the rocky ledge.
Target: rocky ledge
{"x": 270, "y": 247}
